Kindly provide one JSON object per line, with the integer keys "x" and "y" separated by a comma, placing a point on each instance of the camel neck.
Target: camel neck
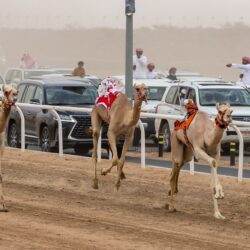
{"x": 135, "y": 113}
{"x": 4, "y": 114}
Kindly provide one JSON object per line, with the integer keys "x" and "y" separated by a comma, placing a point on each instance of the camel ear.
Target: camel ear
{"x": 217, "y": 105}
{"x": 14, "y": 85}
{"x": 228, "y": 104}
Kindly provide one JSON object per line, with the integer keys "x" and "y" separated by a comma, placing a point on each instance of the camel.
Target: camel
{"x": 122, "y": 120}
{"x": 9, "y": 99}
{"x": 202, "y": 140}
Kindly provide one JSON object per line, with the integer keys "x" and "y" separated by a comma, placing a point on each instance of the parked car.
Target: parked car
{"x": 206, "y": 94}
{"x": 41, "y": 127}
{"x": 16, "y": 75}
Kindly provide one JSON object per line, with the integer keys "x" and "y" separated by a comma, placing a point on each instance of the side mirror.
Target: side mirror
{"x": 34, "y": 101}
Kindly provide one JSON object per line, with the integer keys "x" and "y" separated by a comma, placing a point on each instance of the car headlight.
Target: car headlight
{"x": 64, "y": 117}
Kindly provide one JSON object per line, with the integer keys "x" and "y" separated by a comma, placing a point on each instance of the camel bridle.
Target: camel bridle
{"x": 6, "y": 103}
{"x": 219, "y": 121}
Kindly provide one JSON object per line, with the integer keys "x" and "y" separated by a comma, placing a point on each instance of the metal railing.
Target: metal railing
{"x": 54, "y": 110}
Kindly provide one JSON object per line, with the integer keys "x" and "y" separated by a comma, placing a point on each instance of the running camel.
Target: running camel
{"x": 9, "y": 99}
{"x": 122, "y": 120}
{"x": 202, "y": 140}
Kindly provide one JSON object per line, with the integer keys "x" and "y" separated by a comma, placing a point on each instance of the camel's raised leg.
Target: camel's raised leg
{"x": 127, "y": 143}
{"x": 96, "y": 127}
{"x": 3, "y": 208}
{"x": 112, "y": 144}
{"x": 216, "y": 186}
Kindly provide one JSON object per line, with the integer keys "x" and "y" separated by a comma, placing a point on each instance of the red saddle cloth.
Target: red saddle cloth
{"x": 191, "y": 110}
{"x": 107, "y": 101}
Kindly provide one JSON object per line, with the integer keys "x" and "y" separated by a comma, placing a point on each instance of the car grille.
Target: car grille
{"x": 242, "y": 118}
{"x": 81, "y": 129}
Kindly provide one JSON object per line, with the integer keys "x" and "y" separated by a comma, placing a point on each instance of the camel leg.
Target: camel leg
{"x": 177, "y": 159}
{"x": 217, "y": 191}
{"x": 120, "y": 174}
{"x": 96, "y": 127}
{"x": 112, "y": 143}
{"x": 3, "y": 209}
{"x": 216, "y": 186}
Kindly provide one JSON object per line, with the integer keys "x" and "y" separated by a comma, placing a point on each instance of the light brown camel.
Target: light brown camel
{"x": 122, "y": 120}
{"x": 204, "y": 136}
{"x": 9, "y": 99}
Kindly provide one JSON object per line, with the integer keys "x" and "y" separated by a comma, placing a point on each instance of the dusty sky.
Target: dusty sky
{"x": 110, "y": 13}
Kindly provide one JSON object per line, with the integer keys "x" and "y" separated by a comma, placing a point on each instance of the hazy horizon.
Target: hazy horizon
{"x": 59, "y": 14}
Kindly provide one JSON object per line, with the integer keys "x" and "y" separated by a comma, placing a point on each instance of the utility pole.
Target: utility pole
{"x": 129, "y": 10}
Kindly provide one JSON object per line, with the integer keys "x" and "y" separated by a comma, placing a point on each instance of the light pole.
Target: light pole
{"x": 129, "y": 10}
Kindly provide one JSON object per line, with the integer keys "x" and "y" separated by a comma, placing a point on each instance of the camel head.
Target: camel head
{"x": 141, "y": 92}
{"x": 10, "y": 95}
{"x": 224, "y": 116}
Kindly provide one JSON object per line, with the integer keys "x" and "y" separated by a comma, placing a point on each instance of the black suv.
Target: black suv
{"x": 41, "y": 127}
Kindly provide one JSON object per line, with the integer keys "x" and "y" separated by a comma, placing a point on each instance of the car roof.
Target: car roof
{"x": 219, "y": 84}
{"x": 149, "y": 82}
{"x": 57, "y": 81}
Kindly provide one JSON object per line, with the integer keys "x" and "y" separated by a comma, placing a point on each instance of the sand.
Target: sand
{"x": 53, "y": 206}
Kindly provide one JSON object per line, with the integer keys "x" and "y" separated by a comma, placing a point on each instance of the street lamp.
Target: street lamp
{"x": 129, "y": 10}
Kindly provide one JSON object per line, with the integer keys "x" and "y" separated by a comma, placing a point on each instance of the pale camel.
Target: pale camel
{"x": 122, "y": 120}
{"x": 9, "y": 99}
{"x": 204, "y": 136}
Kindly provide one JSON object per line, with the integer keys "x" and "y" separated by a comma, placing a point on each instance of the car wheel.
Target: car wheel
{"x": 165, "y": 131}
{"x": 81, "y": 150}
{"x": 13, "y": 137}
{"x": 45, "y": 141}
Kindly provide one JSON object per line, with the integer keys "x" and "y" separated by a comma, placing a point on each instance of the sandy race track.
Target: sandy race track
{"x": 53, "y": 206}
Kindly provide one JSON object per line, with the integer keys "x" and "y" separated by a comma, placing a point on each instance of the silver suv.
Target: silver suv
{"x": 206, "y": 94}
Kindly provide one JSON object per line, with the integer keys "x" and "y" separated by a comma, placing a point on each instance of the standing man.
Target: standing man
{"x": 139, "y": 64}
{"x": 245, "y": 67}
{"x": 79, "y": 70}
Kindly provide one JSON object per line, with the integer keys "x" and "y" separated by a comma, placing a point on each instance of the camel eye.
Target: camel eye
{"x": 220, "y": 112}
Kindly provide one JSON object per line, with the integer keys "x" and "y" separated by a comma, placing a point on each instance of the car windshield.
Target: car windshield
{"x": 155, "y": 93}
{"x": 235, "y": 97}
{"x": 71, "y": 95}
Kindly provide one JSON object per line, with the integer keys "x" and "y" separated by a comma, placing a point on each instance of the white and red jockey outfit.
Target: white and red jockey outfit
{"x": 108, "y": 91}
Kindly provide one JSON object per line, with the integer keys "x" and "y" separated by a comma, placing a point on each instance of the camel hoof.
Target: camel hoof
{"x": 123, "y": 176}
{"x": 4, "y": 210}
{"x": 171, "y": 209}
{"x": 95, "y": 184}
{"x": 117, "y": 186}
{"x": 219, "y": 216}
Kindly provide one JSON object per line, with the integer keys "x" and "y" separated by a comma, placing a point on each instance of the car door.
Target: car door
{"x": 34, "y": 112}
{"x": 29, "y": 113}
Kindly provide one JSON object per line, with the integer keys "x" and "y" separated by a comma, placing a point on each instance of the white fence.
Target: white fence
{"x": 54, "y": 109}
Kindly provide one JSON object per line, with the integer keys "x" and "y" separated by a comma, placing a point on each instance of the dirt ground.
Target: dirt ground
{"x": 53, "y": 206}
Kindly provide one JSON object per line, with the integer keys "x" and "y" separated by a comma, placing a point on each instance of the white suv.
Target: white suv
{"x": 16, "y": 75}
{"x": 206, "y": 94}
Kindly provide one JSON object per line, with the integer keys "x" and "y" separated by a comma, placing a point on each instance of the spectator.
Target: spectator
{"x": 182, "y": 96}
{"x": 27, "y": 62}
{"x": 139, "y": 64}
{"x": 172, "y": 74}
{"x": 151, "y": 74}
{"x": 79, "y": 70}
{"x": 245, "y": 67}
